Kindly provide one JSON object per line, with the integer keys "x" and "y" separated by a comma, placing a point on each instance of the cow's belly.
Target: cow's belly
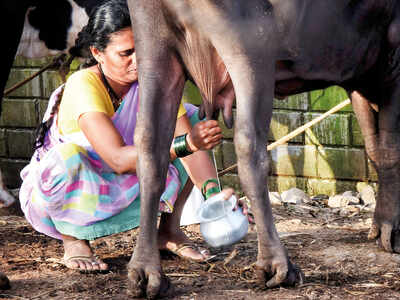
{"x": 31, "y": 46}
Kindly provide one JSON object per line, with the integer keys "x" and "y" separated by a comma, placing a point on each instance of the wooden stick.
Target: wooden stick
{"x": 49, "y": 65}
{"x": 296, "y": 132}
{"x": 308, "y": 125}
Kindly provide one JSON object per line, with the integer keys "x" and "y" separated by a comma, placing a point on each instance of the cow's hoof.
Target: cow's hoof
{"x": 150, "y": 285}
{"x": 4, "y": 282}
{"x": 281, "y": 274}
{"x": 387, "y": 237}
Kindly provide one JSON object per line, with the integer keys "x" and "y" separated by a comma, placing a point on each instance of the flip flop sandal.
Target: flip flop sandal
{"x": 203, "y": 251}
{"x": 90, "y": 259}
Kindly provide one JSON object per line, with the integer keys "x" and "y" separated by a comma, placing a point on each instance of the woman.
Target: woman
{"x": 81, "y": 183}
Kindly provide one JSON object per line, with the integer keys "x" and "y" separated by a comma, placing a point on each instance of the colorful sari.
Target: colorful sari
{"x": 68, "y": 189}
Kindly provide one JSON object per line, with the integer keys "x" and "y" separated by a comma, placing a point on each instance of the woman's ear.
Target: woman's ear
{"x": 96, "y": 54}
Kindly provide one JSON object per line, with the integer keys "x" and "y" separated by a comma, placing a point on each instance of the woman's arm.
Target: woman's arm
{"x": 107, "y": 142}
{"x": 203, "y": 136}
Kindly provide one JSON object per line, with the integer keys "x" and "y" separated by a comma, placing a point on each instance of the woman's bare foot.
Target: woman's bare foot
{"x": 79, "y": 256}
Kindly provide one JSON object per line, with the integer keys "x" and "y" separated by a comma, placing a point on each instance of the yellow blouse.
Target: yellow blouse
{"x": 85, "y": 92}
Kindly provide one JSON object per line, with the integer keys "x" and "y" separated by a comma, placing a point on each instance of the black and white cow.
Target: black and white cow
{"x": 34, "y": 29}
{"x": 38, "y": 28}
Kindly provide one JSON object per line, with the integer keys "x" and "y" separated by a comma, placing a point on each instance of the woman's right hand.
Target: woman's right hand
{"x": 204, "y": 135}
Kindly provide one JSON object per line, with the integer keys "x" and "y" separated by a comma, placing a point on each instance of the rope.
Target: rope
{"x": 295, "y": 132}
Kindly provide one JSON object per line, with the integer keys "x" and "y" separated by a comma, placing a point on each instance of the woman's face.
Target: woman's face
{"x": 118, "y": 60}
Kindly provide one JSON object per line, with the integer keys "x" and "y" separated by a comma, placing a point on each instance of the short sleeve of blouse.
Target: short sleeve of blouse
{"x": 84, "y": 92}
{"x": 181, "y": 110}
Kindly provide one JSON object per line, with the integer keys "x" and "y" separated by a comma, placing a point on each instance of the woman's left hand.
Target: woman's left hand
{"x": 204, "y": 135}
{"x": 245, "y": 209}
{"x": 240, "y": 203}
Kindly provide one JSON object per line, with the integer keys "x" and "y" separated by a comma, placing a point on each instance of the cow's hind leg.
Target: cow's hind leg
{"x": 14, "y": 15}
{"x": 383, "y": 148}
{"x": 12, "y": 23}
{"x": 368, "y": 120}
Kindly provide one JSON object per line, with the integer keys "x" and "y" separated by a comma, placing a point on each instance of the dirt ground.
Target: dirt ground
{"x": 338, "y": 260}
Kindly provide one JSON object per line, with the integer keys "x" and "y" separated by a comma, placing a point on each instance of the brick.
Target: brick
{"x": 191, "y": 94}
{"x": 42, "y": 108}
{"x": 341, "y": 163}
{"x": 29, "y": 89}
{"x": 356, "y": 135}
{"x": 323, "y": 100}
{"x": 329, "y": 187}
{"x": 21, "y": 61}
{"x": 284, "y": 183}
{"x": 11, "y": 169}
{"x": 284, "y": 122}
{"x": 295, "y": 102}
{"x": 51, "y": 81}
{"x": 232, "y": 181}
{"x": 333, "y": 130}
{"x": 227, "y": 133}
{"x": 218, "y": 157}
{"x": 20, "y": 143}
{"x": 228, "y": 154}
{"x": 294, "y": 161}
{"x": 19, "y": 113}
{"x": 3, "y": 142}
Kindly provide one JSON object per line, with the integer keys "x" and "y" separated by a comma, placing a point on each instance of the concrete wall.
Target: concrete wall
{"x": 328, "y": 158}
{"x": 22, "y": 111}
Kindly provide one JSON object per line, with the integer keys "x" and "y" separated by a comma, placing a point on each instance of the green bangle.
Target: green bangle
{"x": 211, "y": 191}
{"x": 180, "y": 146}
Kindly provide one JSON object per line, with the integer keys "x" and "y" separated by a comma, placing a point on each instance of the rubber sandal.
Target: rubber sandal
{"x": 203, "y": 251}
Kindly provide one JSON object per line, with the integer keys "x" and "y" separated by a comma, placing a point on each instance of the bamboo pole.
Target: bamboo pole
{"x": 296, "y": 132}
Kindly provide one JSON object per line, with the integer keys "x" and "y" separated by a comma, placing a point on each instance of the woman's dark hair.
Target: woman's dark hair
{"x": 104, "y": 20}
{"x": 108, "y": 18}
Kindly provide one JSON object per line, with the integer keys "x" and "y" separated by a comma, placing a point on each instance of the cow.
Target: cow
{"x": 269, "y": 48}
{"x": 34, "y": 29}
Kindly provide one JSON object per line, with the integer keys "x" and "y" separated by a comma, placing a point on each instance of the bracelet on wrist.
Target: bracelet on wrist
{"x": 180, "y": 146}
{"x": 207, "y": 193}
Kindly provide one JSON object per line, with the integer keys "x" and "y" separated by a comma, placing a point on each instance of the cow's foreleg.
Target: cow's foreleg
{"x": 153, "y": 136}
{"x": 386, "y": 224}
{"x": 161, "y": 84}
